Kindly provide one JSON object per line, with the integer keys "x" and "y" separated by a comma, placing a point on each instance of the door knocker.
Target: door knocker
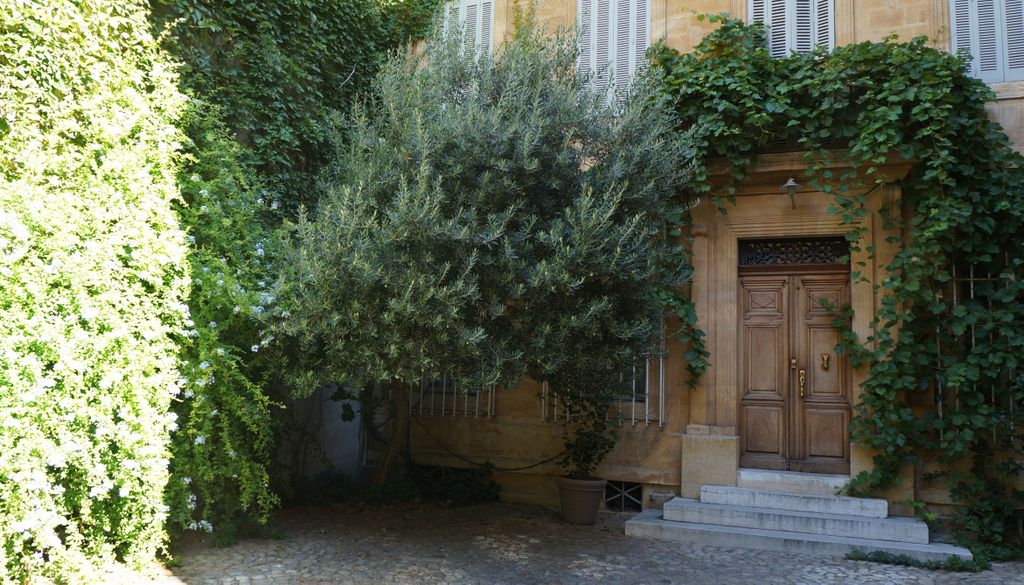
{"x": 825, "y": 358}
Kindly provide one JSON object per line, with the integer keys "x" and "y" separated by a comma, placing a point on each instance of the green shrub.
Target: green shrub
{"x": 92, "y": 281}
{"x": 224, "y": 446}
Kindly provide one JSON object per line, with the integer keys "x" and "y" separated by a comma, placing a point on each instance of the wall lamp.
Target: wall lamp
{"x": 789, "y": 188}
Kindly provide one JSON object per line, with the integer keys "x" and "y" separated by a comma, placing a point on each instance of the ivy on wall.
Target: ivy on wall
{"x": 951, "y": 348}
{"x": 283, "y": 72}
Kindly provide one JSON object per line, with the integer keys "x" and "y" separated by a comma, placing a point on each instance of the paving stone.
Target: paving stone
{"x": 507, "y": 544}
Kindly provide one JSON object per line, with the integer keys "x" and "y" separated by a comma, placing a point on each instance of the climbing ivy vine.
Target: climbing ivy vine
{"x": 945, "y": 382}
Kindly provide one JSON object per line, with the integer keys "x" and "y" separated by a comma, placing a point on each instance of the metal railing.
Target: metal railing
{"x": 442, "y": 397}
{"x": 644, "y": 403}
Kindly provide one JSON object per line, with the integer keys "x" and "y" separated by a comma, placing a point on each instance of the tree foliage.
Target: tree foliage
{"x": 936, "y": 340}
{"x": 492, "y": 218}
{"x": 92, "y": 281}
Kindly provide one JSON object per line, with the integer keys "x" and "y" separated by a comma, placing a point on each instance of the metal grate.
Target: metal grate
{"x": 790, "y": 251}
{"x": 643, "y": 402}
{"x": 624, "y": 496}
{"x": 442, "y": 397}
{"x": 972, "y": 285}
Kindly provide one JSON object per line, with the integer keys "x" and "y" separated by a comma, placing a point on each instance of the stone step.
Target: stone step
{"x": 894, "y": 529}
{"x": 821, "y": 484}
{"x": 776, "y": 500}
{"x": 650, "y": 524}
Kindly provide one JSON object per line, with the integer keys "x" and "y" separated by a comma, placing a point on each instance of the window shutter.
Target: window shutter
{"x": 757, "y": 8}
{"x": 777, "y": 28}
{"x": 486, "y": 26}
{"x": 643, "y": 37}
{"x": 1014, "y": 40}
{"x": 803, "y": 31}
{"x": 586, "y": 11}
{"x": 622, "y": 48}
{"x": 471, "y": 28}
{"x": 602, "y": 41}
{"x": 986, "y": 53}
{"x": 961, "y": 32}
{"x": 824, "y": 31}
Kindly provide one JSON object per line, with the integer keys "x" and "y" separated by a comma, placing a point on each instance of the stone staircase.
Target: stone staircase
{"x": 791, "y": 512}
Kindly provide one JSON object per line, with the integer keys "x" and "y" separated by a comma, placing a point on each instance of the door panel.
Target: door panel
{"x": 764, "y": 376}
{"x": 822, "y": 414}
{"x": 787, "y": 326}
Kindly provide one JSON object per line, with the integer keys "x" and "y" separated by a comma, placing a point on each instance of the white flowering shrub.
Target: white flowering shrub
{"x": 223, "y": 447}
{"x": 92, "y": 285}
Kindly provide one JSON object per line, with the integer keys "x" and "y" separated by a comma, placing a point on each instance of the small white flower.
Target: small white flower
{"x": 204, "y": 208}
{"x": 186, "y": 480}
{"x": 205, "y": 365}
{"x": 220, "y": 351}
{"x": 232, "y": 454}
{"x": 214, "y": 412}
{"x": 275, "y": 204}
{"x": 200, "y": 440}
{"x": 123, "y": 492}
{"x": 204, "y": 192}
{"x": 255, "y": 348}
{"x": 191, "y": 239}
{"x": 196, "y": 178}
{"x": 188, "y": 394}
{"x": 236, "y": 309}
{"x": 206, "y": 269}
{"x": 191, "y": 501}
{"x": 213, "y": 324}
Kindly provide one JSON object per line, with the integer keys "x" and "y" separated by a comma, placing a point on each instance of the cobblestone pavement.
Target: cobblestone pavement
{"x": 506, "y": 544}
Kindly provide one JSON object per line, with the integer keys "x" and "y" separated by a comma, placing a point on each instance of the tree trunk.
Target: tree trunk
{"x": 399, "y": 428}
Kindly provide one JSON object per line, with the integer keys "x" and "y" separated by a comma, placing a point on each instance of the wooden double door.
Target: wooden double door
{"x": 795, "y": 387}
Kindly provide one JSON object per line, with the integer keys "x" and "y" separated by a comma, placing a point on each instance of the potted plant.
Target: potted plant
{"x": 589, "y": 435}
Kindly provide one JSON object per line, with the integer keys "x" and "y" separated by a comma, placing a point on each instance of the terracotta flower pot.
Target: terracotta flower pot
{"x": 580, "y": 499}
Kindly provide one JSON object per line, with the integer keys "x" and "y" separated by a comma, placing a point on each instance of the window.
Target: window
{"x": 795, "y": 26}
{"x": 476, "y": 17}
{"x": 992, "y": 31}
{"x": 614, "y": 36}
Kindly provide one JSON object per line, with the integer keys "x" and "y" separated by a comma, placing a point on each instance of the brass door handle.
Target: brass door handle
{"x": 802, "y": 380}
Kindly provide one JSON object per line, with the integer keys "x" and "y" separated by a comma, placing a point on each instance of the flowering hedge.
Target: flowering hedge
{"x": 223, "y": 450}
{"x": 91, "y": 286}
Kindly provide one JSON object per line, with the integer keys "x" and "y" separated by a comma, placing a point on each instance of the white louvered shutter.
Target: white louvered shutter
{"x": 486, "y": 26}
{"x": 1014, "y": 18}
{"x": 803, "y": 29}
{"x": 824, "y": 24}
{"x": 602, "y": 41}
{"x": 992, "y": 31}
{"x": 795, "y": 25}
{"x": 614, "y": 37}
{"x": 778, "y": 25}
{"x": 622, "y": 48}
{"x": 586, "y": 12}
{"x": 643, "y": 35}
{"x": 475, "y": 17}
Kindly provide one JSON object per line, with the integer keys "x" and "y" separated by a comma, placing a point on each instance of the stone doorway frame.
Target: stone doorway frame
{"x": 711, "y": 444}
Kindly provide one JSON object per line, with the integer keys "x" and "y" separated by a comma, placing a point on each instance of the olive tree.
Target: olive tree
{"x": 489, "y": 218}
